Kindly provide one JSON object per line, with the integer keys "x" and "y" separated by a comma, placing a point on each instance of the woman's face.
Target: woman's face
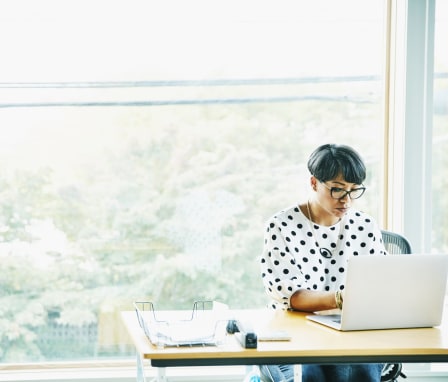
{"x": 338, "y": 204}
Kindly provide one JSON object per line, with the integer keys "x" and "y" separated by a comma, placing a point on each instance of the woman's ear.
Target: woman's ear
{"x": 313, "y": 182}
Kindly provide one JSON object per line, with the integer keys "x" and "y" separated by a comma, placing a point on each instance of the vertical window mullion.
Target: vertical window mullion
{"x": 408, "y": 112}
{"x": 418, "y": 127}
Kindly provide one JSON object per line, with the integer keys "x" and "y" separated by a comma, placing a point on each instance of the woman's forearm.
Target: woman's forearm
{"x": 312, "y": 301}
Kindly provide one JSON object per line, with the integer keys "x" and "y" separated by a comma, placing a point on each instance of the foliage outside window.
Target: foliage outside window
{"x": 114, "y": 190}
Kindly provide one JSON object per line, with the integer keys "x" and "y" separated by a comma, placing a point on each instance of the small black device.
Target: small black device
{"x": 243, "y": 333}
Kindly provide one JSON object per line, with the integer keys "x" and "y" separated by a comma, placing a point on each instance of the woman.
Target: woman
{"x": 306, "y": 249}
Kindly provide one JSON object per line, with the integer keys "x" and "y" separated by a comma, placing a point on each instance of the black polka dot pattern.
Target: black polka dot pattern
{"x": 291, "y": 258}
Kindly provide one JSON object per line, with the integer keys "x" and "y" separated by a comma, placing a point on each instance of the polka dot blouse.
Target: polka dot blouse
{"x": 291, "y": 259}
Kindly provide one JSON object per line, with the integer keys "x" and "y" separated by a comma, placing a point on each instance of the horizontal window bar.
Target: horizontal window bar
{"x": 222, "y": 82}
{"x": 186, "y": 102}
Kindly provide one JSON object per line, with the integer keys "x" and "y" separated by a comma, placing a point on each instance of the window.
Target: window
{"x": 144, "y": 148}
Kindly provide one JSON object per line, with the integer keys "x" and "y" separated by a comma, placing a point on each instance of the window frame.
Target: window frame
{"x": 408, "y": 120}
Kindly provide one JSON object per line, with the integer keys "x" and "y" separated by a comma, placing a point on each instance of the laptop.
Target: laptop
{"x": 391, "y": 292}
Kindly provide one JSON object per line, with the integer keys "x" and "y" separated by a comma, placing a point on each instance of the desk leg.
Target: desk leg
{"x": 297, "y": 373}
{"x": 140, "y": 369}
{"x": 161, "y": 372}
{"x": 161, "y": 375}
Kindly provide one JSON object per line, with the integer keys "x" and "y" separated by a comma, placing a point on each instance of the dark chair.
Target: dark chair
{"x": 396, "y": 244}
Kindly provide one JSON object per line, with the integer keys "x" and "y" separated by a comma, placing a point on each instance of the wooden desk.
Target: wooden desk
{"x": 310, "y": 343}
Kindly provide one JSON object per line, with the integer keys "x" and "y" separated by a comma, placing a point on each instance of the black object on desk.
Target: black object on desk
{"x": 243, "y": 333}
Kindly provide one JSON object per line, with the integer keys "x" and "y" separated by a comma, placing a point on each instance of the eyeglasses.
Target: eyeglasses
{"x": 340, "y": 193}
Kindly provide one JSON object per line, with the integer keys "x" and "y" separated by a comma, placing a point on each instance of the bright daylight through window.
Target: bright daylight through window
{"x": 145, "y": 143}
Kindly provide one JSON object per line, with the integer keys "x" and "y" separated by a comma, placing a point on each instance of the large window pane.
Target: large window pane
{"x": 142, "y": 158}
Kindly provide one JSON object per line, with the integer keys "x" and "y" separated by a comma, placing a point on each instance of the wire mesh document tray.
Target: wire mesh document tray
{"x": 204, "y": 325}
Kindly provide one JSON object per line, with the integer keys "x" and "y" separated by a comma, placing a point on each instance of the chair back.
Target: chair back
{"x": 395, "y": 244}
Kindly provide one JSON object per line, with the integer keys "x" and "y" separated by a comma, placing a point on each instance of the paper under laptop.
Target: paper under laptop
{"x": 391, "y": 292}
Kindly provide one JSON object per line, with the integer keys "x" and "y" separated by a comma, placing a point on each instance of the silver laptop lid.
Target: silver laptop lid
{"x": 394, "y": 291}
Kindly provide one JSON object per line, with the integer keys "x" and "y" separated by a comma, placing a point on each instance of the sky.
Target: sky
{"x": 106, "y": 40}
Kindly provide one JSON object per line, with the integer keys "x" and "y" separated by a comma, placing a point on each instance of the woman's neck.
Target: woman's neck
{"x": 314, "y": 212}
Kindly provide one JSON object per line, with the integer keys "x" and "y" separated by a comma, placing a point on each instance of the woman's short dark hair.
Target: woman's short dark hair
{"x": 330, "y": 160}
